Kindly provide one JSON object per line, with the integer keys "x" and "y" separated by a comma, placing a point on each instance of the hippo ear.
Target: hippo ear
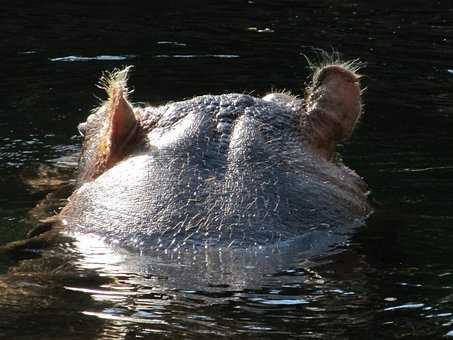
{"x": 333, "y": 105}
{"x": 110, "y": 132}
{"x": 121, "y": 119}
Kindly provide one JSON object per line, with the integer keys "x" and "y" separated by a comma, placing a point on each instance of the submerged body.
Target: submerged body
{"x": 224, "y": 171}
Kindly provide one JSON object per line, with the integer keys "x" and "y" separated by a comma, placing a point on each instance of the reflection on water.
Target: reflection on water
{"x": 392, "y": 279}
{"x": 227, "y": 292}
{"x": 72, "y": 58}
{"x": 197, "y": 56}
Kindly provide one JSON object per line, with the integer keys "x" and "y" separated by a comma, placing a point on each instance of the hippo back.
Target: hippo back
{"x": 229, "y": 170}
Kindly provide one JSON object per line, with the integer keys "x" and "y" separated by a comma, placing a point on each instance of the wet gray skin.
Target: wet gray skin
{"x": 223, "y": 171}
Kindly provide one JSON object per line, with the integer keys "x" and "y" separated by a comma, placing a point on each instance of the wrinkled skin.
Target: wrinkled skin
{"x": 223, "y": 171}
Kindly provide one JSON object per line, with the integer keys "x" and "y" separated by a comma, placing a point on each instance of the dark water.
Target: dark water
{"x": 393, "y": 279}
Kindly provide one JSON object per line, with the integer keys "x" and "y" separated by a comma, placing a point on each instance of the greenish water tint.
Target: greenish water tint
{"x": 393, "y": 278}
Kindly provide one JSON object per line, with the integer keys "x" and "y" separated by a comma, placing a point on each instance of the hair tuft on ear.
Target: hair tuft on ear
{"x": 115, "y": 80}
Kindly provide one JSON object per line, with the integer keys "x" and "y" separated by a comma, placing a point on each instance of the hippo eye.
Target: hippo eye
{"x": 82, "y": 129}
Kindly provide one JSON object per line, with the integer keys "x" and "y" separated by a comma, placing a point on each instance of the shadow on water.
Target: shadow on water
{"x": 393, "y": 278}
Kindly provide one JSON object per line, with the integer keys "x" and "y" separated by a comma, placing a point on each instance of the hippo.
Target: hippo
{"x": 222, "y": 171}
{"x": 227, "y": 170}
{"x": 215, "y": 194}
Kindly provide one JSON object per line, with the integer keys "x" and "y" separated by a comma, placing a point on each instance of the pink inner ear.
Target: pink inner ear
{"x": 123, "y": 124}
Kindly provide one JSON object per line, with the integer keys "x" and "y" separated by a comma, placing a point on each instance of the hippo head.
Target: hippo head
{"x": 220, "y": 170}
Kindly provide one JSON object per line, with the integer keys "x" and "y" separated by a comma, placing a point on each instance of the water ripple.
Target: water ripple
{"x": 225, "y": 56}
{"x": 73, "y": 58}
{"x": 107, "y": 316}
